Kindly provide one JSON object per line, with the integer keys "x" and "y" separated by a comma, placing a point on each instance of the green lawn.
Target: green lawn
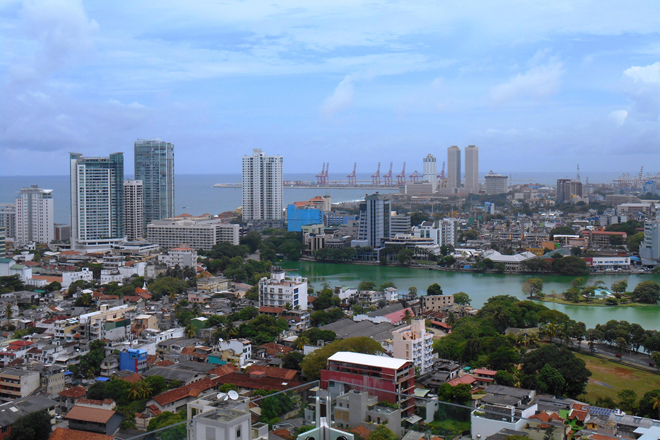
{"x": 608, "y": 378}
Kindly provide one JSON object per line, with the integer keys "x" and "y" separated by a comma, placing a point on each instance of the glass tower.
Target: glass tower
{"x": 97, "y": 200}
{"x": 154, "y": 166}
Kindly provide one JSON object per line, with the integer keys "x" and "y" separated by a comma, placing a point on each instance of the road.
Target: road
{"x": 639, "y": 359}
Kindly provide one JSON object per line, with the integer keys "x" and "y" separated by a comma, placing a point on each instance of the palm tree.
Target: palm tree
{"x": 9, "y": 313}
{"x": 656, "y": 403}
{"x": 533, "y": 338}
{"x": 134, "y": 391}
{"x": 190, "y": 331}
{"x": 551, "y": 331}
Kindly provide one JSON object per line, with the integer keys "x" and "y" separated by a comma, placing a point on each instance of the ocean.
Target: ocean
{"x": 196, "y": 195}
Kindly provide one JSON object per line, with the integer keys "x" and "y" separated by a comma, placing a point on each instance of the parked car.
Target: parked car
{"x": 618, "y": 355}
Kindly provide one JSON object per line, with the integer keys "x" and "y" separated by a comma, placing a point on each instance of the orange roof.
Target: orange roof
{"x": 467, "y": 379}
{"x": 192, "y": 390}
{"x": 223, "y": 370}
{"x": 276, "y": 373}
{"x": 165, "y": 363}
{"x": 73, "y": 434}
{"x": 133, "y": 378}
{"x": 269, "y": 309}
{"x": 95, "y": 402}
{"x": 88, "y": 414}
{"x": 154, "y": 409}
{"x": 362, "y": 432}
{"x": 139, "y": 290}
{"x": 273, "y": 349}
{"x": 47, "y": 278}
{"x": 284, "y": 433}
{"x": 545, "y": 417}
{"x": 485, "y": 372}
{"x": 580, "y": 415}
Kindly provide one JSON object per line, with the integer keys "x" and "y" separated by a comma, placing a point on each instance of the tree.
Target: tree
{"x": 572, "y": 369}
{"x": 434, "y": 289}
{"x": 156, "y": 384}
{"x": 90, "y": 363}
{"x": 383, "y": 433}
{"x": 551, "y": 381}
{"x": 166, "y": 419}
{"x": 366, "y": 285}
{"x": 577, "y": 251}
{"x": 634, "y": 242}
{"x": 649, "y": 404}
{"x": 627, "y": 400}
{"x": 405, "y": 256}
{"x": 34, "y": 426}
{"x": 314, "y": 362}
{"x": 619, "y": 286}
{"x": 462, "y": 298}
{"x": 412, "y": 291}
{"x": 561, "y": 230}
{"x": 532, "y": 287}
{"x": 252, "y": 240}
{"x": 292, "y": 360}
{"x": 647, "y": 292}
{"x": 275, "y": 406}
{"x": 127, "y": 416}
{"x": 325, "y": 300}
{"x": 570, "y": 265}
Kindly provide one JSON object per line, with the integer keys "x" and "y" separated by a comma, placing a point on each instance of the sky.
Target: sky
{"x": 536, "y": 85}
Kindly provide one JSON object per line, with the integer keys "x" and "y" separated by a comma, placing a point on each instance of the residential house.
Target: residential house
{"x": 92, "y": 419}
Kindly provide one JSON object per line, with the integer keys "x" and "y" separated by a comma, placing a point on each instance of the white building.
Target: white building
{"x": 511, "y": 262}
{"x": 431, "y": 171}
{"x": 472, "y": 169}
{"x": 413, "y": 343}
{"x": 280, "y": 290}
{"x": 197, "y": 232}
{"x": 183, "y": 256}
{"x": 242, "y": 348}
{"x": 610, "y": 263}
{"x": 133, "y": 209}
{"x": 8, "y": 219}
{"x": 448, "y": 231}
{"x": 71, "y": 277}
{"x": 35, "y": 221}
{"x": 97, "y": 201}
{"x": 649, "y": 248}
{"x": 496, "y": 184}
{"x": 262, "y": 187}
{"x": 453, "y": 169}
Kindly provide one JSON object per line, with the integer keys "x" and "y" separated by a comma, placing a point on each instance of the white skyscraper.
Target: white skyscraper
{"x": 453, "y": 168}
{"x": 34, "y": 216}
{"x": 472, "y": 169}
{"x": 262, "y": 187}
{"x": 97, "y": 201}
{"x": 431, "y": 171}
{"x": 133, "y": 209}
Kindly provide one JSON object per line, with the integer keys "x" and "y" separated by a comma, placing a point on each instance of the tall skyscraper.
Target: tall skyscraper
{"x": 375, "y": 221}
{"x": 133, "y": 210}
{"x": 154, "y": 166}
{"x": 8, "y": 218}
{"x": 496, "y": 183}
{"x": 35, "y": 220}
{"x": 453, "y": 168}
{"x": 431, "y": 171}
{"x": 472, "y": 169}
{"x": 262, "y": 187}
{"x": 97, "y": 201}
{"x": 567, "y": 189}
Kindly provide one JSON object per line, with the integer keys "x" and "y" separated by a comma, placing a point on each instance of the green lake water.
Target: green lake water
{"x": 480, "y": 287}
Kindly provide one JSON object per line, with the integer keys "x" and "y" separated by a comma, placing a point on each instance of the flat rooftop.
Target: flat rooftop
{"x": 368, "y": 359}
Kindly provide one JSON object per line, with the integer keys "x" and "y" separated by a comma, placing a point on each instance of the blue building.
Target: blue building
{"x": 299, "y": 217}
{"x": 134, "y": 360}
{"x": 338, "y": 218}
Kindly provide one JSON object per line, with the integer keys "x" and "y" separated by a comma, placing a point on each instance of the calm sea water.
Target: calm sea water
{"x": 196, "y": 195}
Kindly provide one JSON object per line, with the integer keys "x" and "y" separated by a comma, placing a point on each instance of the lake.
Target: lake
{"x": 480, "y": 287}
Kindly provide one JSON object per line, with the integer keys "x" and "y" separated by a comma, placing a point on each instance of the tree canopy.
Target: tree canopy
{"x": 572, "y": 369}
{"x": 34, "y": 426}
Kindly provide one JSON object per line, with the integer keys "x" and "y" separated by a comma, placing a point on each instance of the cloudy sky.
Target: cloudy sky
{"x": 537, "y": 85}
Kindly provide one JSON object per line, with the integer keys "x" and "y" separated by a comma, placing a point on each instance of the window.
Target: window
{"x": 238, "y": 432}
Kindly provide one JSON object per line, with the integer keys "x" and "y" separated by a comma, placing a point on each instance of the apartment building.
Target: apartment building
{"x": 133, "y": 210}
{"x": 280, "y": 290}
{"x": 16, "y": 384}
{"x": 390, "y": 379}
{"x": 197, "y": 232}
{"x": 415, "y": 344}
{"x": 434, "y": 303}
{"x": 35, "y": 216}
{"x": 108, "y": 323}
{"x": 183, "y": 256}
{"x": 262, "y": 187}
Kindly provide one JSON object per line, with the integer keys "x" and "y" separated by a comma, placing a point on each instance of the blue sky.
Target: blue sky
{"x": 537, "y": 85}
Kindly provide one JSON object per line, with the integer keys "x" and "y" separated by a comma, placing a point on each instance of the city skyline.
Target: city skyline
{"x": 570, "y": 82}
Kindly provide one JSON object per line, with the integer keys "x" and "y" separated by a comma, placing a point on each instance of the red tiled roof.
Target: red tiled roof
{"x": 95, "y": 402}
{"x": 398, "y": 316}
{"x": 223, "y": 370}
{"x": 273, "y": 349}
{"x": 192, "y": 390}
{"x": 154, "y": 409}
{"x": 284, "y": 433}
{"x": 485, "y": 372}
{"x": 20, "y": 344}
{"x": 48, "y": 279}
{"x": 139, "y": 290}
{"x": 132, "y": 298}
{"x": 165, "y": 363}
{"x": 269, "y": 309}
{"x": 75, "y": 392}
{"x": 151, "y": 359}
{"x": 88, "y": 414}
{"x": 133, "y": 378}
{"x": 74, "y": 434}
{"x": 580, "y": 415}
{"x": 265, "y": 383}
{"x": 361, "y": 431}
{"x": 273, "y": 372}
{"x": 467, "y": 379}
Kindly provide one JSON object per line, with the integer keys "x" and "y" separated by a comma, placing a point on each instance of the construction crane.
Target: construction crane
{"x": 352, "y": 178}
{"x": 375, "y": 178}
{"x": 401, "y": 178}
{"x": 414, "y": 177}
{"x": 321, "y": 176}
{"x": 387, "y": 177}
{"x": 442, "y": 173}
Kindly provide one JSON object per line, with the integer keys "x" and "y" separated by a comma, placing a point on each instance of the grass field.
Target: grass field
{"x": 608, "y": 378}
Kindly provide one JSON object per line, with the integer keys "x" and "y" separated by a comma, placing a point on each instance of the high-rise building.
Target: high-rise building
{"x": 375, "y": 217}
{"x": 567, "y": 189}
{"x": 3, "y": 243}
{"x": 649, "y": 248}
{"x": 8, "y": 218}
{"x": 35, "y": 220}
{"x": 154, "y": 166}
{"x": 133, "y": 210}
{"x": 400, "y": 224}
{"x": 496, "y": 183}
{"x": 262, "y": 187}
{"x": 415, "y": 344}
{"x": 97, "y": 201}
{"x": 431, "y": 171}
{"x": 453, "y": 169}
{"x": 472, "y": 169}
{"x": 280, "y": 290}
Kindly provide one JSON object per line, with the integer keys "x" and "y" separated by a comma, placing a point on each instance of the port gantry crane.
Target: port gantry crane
{"x": 401, "y": 178}
{"x": 321, "y": 176}
{"x": 375, "y": 178}
{"x": 352, "y": 178}
{"x": 387, "y": 177}
{"x": 414, "y": 177}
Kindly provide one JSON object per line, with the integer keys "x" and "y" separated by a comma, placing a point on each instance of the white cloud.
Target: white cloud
{"x": 538, "y": 82}
{"x": 642, "y": 85}
{"x": 341, "y": 99}
{"x": 619, "y": 116}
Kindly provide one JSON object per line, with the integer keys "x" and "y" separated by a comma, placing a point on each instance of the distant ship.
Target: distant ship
{"x": 227, "y": 185}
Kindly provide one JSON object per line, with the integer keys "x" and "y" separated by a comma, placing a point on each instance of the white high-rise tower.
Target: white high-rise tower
{"x": 472, "y": 169}
{"x": 262, "y": 187}
{"x": 431, "y": 171}
{"x": 133, "y": 209}
{"x": 35, "y": 220}
{"x": 453, "y": 168}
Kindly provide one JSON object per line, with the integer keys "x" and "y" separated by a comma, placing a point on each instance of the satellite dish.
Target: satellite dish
{"x": 233, "y": 395}
{"x": 221, "y": 397}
